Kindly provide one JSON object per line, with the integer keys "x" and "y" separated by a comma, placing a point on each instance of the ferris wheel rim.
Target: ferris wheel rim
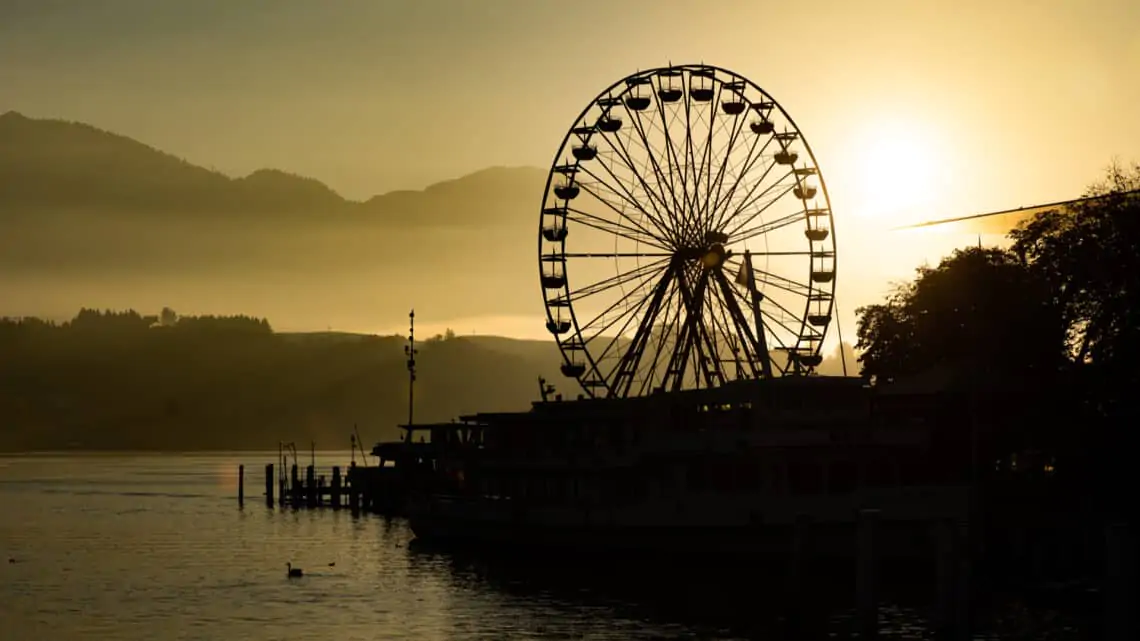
{"x": 826, "y": 292}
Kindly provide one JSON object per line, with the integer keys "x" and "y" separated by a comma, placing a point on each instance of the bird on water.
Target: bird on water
{"x": 293, "y": 573}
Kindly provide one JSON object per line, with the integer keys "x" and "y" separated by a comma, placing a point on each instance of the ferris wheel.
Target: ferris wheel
{"x": 685, "y": 238}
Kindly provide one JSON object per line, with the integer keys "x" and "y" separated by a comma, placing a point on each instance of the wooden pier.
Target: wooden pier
{"x": 368, "y": 488}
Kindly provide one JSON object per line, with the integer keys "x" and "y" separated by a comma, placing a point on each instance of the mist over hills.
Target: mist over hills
{"x": 95, "y": 218}
{"x": 56, "y": 165}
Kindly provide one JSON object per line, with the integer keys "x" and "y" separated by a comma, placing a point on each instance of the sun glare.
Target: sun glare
{"x": 899, "y": 174}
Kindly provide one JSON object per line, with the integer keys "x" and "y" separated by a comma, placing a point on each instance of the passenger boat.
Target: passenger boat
{"x": 731, "y": 469}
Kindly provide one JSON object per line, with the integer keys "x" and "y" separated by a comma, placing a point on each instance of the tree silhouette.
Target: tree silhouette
{"x": 980, "y": 310}
{"x": 1089, "y": 254}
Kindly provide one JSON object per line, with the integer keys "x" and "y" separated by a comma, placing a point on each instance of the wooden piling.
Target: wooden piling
{"x": 241, "y": 485}
{"x": 269, "y": 485}
{"x": 310, "y": 486}
{"x": 795, "y": 609}
{"x": 865, "y": 574}
{"x": 953, "y": 620}
{"x": 1118, "y": 584}
{"x": 294, "y": 485}
{"x": 353, "y": 489}
{"x": 336, "y": 485}
{"x": 962, "y": 559}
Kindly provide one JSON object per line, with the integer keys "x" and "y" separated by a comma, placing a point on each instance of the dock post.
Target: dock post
{"x": 294, "y": 485}
{"x": 336, "y": 484}
{"x": 795, "y": 610}
{"x": 241, "y": 485}
{"x": 1119, "y": 558}
{"x": 962, "y": 559}
{"x": 269, "y": 485}
{"x": 953, "y": 588}
{"x": 353, "y": 490}
{"x": 310, "y": 486}
{"x": 865, "y": 571}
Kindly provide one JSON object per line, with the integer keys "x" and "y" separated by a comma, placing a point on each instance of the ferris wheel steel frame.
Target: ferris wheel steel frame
{"x": 681, "y": 215}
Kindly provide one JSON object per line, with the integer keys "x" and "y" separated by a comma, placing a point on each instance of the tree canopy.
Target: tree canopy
{"x": 980, "y": 310}
{"x": 1065, "y": 296}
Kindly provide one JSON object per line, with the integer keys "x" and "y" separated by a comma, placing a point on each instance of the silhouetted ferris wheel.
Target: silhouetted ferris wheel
{"x": 685, "y": 238}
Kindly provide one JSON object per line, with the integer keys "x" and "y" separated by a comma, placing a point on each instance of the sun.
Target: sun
{"x": 899, "y": 173}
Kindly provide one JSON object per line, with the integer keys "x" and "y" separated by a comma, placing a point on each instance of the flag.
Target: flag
{"x": 743, "y": 276}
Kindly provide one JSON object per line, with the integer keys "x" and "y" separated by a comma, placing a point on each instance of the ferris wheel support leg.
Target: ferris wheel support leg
{"x": 761, "y": 339}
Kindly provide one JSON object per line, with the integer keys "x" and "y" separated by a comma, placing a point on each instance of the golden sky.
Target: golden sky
{"x": 915, "y": 110}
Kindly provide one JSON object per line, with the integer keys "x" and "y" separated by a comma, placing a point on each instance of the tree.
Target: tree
{"x": 980, "y": 310}
{"x": 1089, "y": 254}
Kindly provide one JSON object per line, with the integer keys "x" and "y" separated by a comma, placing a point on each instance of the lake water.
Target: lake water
{"x": 155, "y": 547}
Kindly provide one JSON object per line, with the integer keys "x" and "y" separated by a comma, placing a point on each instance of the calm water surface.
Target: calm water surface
{"x": 155, "y": 547}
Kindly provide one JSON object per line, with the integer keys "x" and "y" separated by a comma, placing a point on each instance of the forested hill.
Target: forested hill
{"x": 126, "y": 381}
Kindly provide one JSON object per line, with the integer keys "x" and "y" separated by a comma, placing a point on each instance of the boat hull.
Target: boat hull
{"x": 835, "y": 540}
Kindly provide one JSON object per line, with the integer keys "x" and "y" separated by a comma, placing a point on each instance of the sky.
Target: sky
{"x": 914, "y": 110}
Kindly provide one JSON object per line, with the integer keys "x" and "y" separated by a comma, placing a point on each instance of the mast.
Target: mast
{"x": 410, "y": 352}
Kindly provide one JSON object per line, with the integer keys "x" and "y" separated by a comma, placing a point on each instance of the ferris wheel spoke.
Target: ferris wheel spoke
{"x": 711, "y": 196}
{"x": 669, "y": 116}
{"x": 742, "y": 235}
{"x": 670, "y": 316}
{"x": 689, "y": 166}
{"x": 621, "y": 152}
{"x": 628, "y": 198}
{"x": 740, "y": 321}
{"x": 707, "y": 356}
{"x": 723, "y": 334}
{"x": 655, "y": 196}
{"x": 779, "y": 282}
{"x": 744, "y": 166}
{"x": 782, "y": 282}
{"x": 620, "y": 305}
{"x": 739, "y": 169}
{"x": 651, "y": 153}
{"x": 629, "y": 315}
{"x": 691, "y": 332}
{"x": 707, "y": 157}
{"x": 764, "y": 313}
{"x": 670, "y": 153}
{"x": 752, "y": 201}
{"x": 725, "y": 204}
{"x": 621, "y": 255}
{"x": 609, "y": 227}
{"x": 625, "y": 196}
{"x": 628, "y": 365}
{"x": 613, "y": 281}
{"x": 773, "y": 319}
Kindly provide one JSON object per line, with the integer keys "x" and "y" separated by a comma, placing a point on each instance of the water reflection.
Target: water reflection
{"x": 133, "y": 548}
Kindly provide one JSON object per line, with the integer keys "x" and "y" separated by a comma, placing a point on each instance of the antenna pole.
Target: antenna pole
{"x": 410, "y": 351}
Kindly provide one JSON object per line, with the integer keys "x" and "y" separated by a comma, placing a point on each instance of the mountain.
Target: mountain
{"x": 92, "y": 217}
{"x": 58, "y": 165}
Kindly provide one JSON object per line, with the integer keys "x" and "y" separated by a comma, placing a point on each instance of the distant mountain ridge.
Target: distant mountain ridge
{"x": 54, "y": 164}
